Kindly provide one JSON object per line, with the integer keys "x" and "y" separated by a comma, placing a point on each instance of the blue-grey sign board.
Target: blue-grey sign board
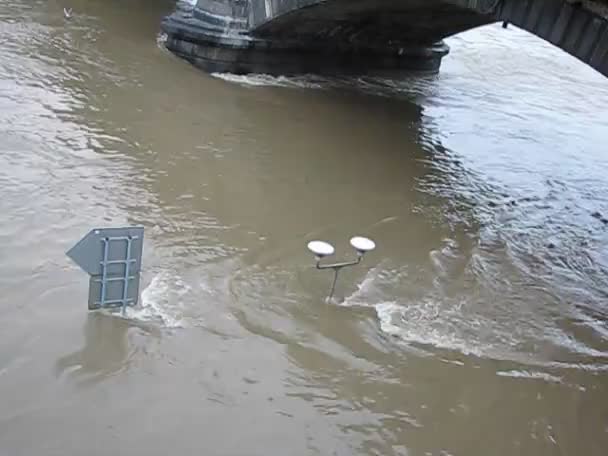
{"x": 114, "y": 295}
{"x": 112, "y": 257}
{"x": 89, "y": 252}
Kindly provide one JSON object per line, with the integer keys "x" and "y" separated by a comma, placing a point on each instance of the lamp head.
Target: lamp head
{"x": 362, "y": 245}
{"x": 321, "y": 249}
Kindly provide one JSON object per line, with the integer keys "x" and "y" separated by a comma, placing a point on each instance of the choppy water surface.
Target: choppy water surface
{"x": 479, "y": 326}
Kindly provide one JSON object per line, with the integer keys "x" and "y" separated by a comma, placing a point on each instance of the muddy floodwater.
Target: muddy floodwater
{"x": 479, "y": 325}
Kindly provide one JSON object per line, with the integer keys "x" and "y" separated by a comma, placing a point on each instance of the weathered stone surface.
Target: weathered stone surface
{"x": 366, "y": 36}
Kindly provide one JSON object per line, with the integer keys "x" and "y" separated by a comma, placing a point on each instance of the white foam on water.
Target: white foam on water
{"x": 161, "y": 301}
{"x": 538, "y": 375}
{"x": 433, "y": 320}
{"x": 600, "y": 327}
{"x": 422, "y": 324}
{"x": 415, "y": 324}
{"x": 378, "y": 86}
{"x": 567, "y": 341}
{"x": 532, "y": 375}
{"x": 266, "y": 80}
{"x": 362, "y": 292}
{"x": 161, "y": 39}
{"x": 385, "y": 312}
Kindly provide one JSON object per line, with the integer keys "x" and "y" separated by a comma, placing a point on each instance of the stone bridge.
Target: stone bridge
{"x": 367, "y": 36}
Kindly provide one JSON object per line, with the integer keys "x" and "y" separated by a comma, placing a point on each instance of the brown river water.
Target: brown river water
{"x": 479, "y": 326}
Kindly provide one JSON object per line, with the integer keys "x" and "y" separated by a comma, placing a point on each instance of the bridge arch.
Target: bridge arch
{"x": 295, "y": 36}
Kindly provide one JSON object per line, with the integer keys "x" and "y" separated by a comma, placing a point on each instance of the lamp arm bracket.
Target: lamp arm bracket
{"x": 338, "y": 265}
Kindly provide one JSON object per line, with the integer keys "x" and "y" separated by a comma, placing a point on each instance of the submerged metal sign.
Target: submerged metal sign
{"x": 112, "y": 257}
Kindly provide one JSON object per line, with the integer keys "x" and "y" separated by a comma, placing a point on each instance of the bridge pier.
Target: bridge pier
{"x": 380, "y": 37}
{"x": 217, "y": 36}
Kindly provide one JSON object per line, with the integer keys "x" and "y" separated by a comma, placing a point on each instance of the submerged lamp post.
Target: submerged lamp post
{"x": 322, "y": 249}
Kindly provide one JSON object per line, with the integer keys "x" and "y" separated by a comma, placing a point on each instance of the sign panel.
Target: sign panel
{"x": 112, "y": 257}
